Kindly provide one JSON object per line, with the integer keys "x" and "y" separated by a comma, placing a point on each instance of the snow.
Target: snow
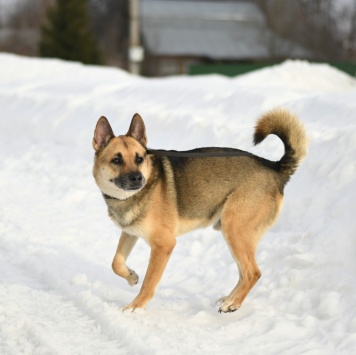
{"x": 58, "y": 294}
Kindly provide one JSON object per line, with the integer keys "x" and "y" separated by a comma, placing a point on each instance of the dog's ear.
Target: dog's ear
{"x": 103, "y": 133}
{"x": 137, "y": 129}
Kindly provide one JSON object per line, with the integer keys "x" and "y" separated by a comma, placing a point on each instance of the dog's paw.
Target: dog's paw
{"x": 228, "y": 309}
{"x": 133, "y": 307}
{"x": 132, "y": 279}
{"x": 227, "y": 305}
{"x": 128, "y": 308}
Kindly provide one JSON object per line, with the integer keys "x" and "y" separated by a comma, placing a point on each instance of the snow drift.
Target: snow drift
{"x": 57, "y": 291}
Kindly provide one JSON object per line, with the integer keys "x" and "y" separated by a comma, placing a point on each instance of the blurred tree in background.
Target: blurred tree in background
{"x": 325, "y": 26}
{"x": 68, "y": 34}
{"x": 110, "y": 21}
{"x": 20, "y": 22}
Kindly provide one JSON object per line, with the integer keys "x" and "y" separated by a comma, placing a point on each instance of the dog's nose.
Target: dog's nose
{"x": 130, "y": 181}
{"x": 136, "y": 177}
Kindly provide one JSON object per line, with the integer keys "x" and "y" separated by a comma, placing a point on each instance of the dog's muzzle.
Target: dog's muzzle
{"x": 130, "y": 181}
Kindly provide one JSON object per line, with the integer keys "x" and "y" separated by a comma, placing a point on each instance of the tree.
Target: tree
{"x": 67, "y": 33}
{"x": 317, "y": 25}
{"x": 110, "y": 21}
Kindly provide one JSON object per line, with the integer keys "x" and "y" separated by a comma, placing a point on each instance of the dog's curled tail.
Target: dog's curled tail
{"x": 292, "y": 133}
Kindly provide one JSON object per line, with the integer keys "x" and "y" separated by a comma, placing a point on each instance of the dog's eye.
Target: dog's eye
{"x": 139, "y": 160}
{"x": 117, "y": 161}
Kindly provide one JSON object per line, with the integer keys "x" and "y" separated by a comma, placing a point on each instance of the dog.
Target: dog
{"x": 159, "y": 195}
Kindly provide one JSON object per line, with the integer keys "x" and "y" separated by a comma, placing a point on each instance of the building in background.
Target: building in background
{"x": 179, "y": 34}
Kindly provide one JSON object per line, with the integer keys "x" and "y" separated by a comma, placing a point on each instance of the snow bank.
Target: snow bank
{"x": 57, "y": 291}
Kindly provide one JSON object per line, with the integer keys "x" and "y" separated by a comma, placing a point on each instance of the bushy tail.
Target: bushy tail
{"x": 292, "y": 133}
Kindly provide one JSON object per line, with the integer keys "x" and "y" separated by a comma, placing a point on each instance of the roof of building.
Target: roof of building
{"x": 212, "y": 29}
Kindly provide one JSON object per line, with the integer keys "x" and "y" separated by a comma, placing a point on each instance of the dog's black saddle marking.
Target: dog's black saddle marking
{"x": 201, "y": 153}
{"x": 212, "y": 152}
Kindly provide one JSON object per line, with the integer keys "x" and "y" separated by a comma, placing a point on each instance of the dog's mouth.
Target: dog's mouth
{"x": 130, "y": 182}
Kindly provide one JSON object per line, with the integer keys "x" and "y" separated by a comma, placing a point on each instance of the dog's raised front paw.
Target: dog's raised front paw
{"x": 132, "y": 279}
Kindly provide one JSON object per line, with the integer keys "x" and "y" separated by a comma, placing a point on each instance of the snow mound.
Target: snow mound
{"x": 57, "y": 291}
{"x": 299, "y": 74}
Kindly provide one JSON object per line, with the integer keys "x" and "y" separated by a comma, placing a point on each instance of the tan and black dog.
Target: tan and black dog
{"x": 158, "y": 195}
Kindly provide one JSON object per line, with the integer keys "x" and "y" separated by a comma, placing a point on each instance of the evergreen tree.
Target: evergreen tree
{"x": 67, "y": 34}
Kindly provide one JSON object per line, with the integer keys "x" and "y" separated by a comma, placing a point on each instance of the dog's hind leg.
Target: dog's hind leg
{"x": 243, "y": 222}
{"x": 124, "y": 248}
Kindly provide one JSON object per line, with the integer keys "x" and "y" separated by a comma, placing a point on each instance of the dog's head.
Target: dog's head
{"x": 121, "y": 165}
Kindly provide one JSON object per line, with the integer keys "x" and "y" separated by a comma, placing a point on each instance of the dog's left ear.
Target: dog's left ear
{"x": 103, "y": 134}
{"x": 137, "y": 129}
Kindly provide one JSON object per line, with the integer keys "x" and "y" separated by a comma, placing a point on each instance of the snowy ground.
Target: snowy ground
{"x": 58, "y": 294}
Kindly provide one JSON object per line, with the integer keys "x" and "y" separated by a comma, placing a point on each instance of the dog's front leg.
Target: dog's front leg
{"x": 126, "y": 244}
{"x": 160, "y": 253}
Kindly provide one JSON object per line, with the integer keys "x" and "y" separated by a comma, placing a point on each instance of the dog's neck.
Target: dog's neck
{"x": 108, "y": 197}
